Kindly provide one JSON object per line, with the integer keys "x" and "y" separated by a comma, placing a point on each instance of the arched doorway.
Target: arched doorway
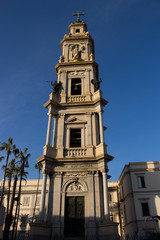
{"x": 74, "y": 217}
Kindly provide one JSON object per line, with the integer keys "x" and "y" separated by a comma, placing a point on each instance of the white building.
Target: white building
{"x": 139, "y": 199}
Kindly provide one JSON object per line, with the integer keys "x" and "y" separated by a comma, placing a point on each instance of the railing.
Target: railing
{"x": 75, "y": 152}
{"x": 76, "y": 98}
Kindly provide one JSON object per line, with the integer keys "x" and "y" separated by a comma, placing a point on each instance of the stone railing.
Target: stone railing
{"x": 75, "y": 152}
{"x": 76, "y": 98}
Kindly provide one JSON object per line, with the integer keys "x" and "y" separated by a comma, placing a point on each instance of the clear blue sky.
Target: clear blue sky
{"x": 127, "y": 48}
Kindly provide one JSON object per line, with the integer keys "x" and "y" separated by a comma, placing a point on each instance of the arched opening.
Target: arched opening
{"x": 74, "y": 217}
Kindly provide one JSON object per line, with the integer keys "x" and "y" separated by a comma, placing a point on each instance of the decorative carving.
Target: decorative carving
{"x": 77, "y": 73}
{"x": 91, "y": 57}
{"x": 75, "y": 187}
{"x": 76, "y": 175}
{"x": 61, "y": 59}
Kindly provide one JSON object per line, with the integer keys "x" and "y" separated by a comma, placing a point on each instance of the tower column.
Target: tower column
{"x": 48, "y": 138}
{"x": 63, "y": 76}
{"x": 87, "y": 80}
{"x": 61, "y": 134}
{"x": 101, "y": 127}
{"x": 43, "y": 197}
{"x": 61, "y": 130}
{"x": 50, "y": 198}
{"x": 91, "y": 197}
{"x": 105, "y": 196}
{"x": 54, "y": 132}
{"x": 89, "y": 129}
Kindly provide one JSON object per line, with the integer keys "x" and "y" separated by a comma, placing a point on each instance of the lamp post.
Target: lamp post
{"x": 24, "y": 163}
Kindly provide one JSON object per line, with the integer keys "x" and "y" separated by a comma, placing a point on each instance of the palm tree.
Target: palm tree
{"x": 18, "y": 171}
{"x": 23, "y": 155}
{"x": 9, "y": 175}
{"x": 39, "y": 167}
{"x": 8, "y": 221}
{"x": 8, "y": 147}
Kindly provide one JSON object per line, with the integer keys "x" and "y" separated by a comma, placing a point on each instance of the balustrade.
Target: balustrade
{"x": 76, "y": 98}
{"x": 75, "y": 152}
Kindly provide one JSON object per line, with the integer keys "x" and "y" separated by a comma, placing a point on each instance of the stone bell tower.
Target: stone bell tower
{"x": 75, "y": 159}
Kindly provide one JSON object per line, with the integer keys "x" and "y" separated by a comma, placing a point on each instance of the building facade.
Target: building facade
{"x": 139, "y": 200}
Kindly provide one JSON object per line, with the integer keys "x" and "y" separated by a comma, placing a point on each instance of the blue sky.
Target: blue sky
{"x": 127, "y": 48}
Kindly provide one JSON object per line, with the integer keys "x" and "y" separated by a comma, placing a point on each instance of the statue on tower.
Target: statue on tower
{"x": 56, "y": 86}
{"x": 96, "y": 83}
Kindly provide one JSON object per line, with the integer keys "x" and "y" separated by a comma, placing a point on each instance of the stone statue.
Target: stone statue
{"x": 75, "y": 52}
{"x": 96, "y": 83}
{"x": 56, "y": 86}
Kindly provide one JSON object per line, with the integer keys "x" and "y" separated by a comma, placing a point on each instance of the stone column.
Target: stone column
{"x": 63, "y": 79}
{"x": 54, "y": 132}
{"x": 67, "y": 137}
{"x": 48, "y": 138}
{"x": 87, "y": 80}
{"x": 82, "y": 137}
{"x": 91, "y": 197}
{"x": 50, "y": 198}
{"x": 67, "y": 52}
{"x": 89, "y": 129}
{"x": 61, "y": 130}
{"x": 105, "y": 196}
{"x": 101, "y": 127}
{"x": 94, "y": 129}
{"x": 43, "y": 197}
{"x": 60, "y": 135}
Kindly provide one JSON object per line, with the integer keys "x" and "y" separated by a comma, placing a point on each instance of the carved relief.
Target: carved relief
{"x": 75, "y": 187}
{"x": 73, "y": 175}
{"x": 77, "y": 73}
{"x": 76, "y": 51}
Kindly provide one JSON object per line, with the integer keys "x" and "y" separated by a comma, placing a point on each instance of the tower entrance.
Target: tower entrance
{"x": 74, "y": 216}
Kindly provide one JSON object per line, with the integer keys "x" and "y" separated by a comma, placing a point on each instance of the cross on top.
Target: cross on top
{"x": 78, "y": 14}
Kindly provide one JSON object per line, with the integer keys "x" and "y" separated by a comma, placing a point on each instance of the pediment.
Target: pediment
{"x": 74, "y": 120}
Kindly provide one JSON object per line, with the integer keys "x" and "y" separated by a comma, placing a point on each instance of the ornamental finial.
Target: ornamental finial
{"x": 78, "y": 14}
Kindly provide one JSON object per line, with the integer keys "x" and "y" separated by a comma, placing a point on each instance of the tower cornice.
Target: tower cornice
{"x": 79, "y": 63}
{"x": 68, "y": 37}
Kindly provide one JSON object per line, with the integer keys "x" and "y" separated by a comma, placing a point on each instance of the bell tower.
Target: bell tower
{"x": 75, "y": 157}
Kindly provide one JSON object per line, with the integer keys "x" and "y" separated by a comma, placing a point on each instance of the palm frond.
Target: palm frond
{"x": 1, "y": 158}
{"x": 2, "y": 148}
{"x": 10, "y": 141}
{"x": 25, "y": 150}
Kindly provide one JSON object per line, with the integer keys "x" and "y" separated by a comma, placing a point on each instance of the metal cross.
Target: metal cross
{"x": 78, "y": 14}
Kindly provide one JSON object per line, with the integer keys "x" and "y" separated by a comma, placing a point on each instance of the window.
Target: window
{"x": 145, "y": 209}
{"x": 76, "y": 86}
{"x": 110, "y": 197}
{"x": 77, "y": 30}
{"x": 125, "y": 216}
{"x": 97, "y": 129}
{"x": 111, "y": 217}
{"x": 26, "y": 201}
{"x": 75, "y": 137}
{"x": 141, "y": 182}
{"x": 38, "y": 200}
